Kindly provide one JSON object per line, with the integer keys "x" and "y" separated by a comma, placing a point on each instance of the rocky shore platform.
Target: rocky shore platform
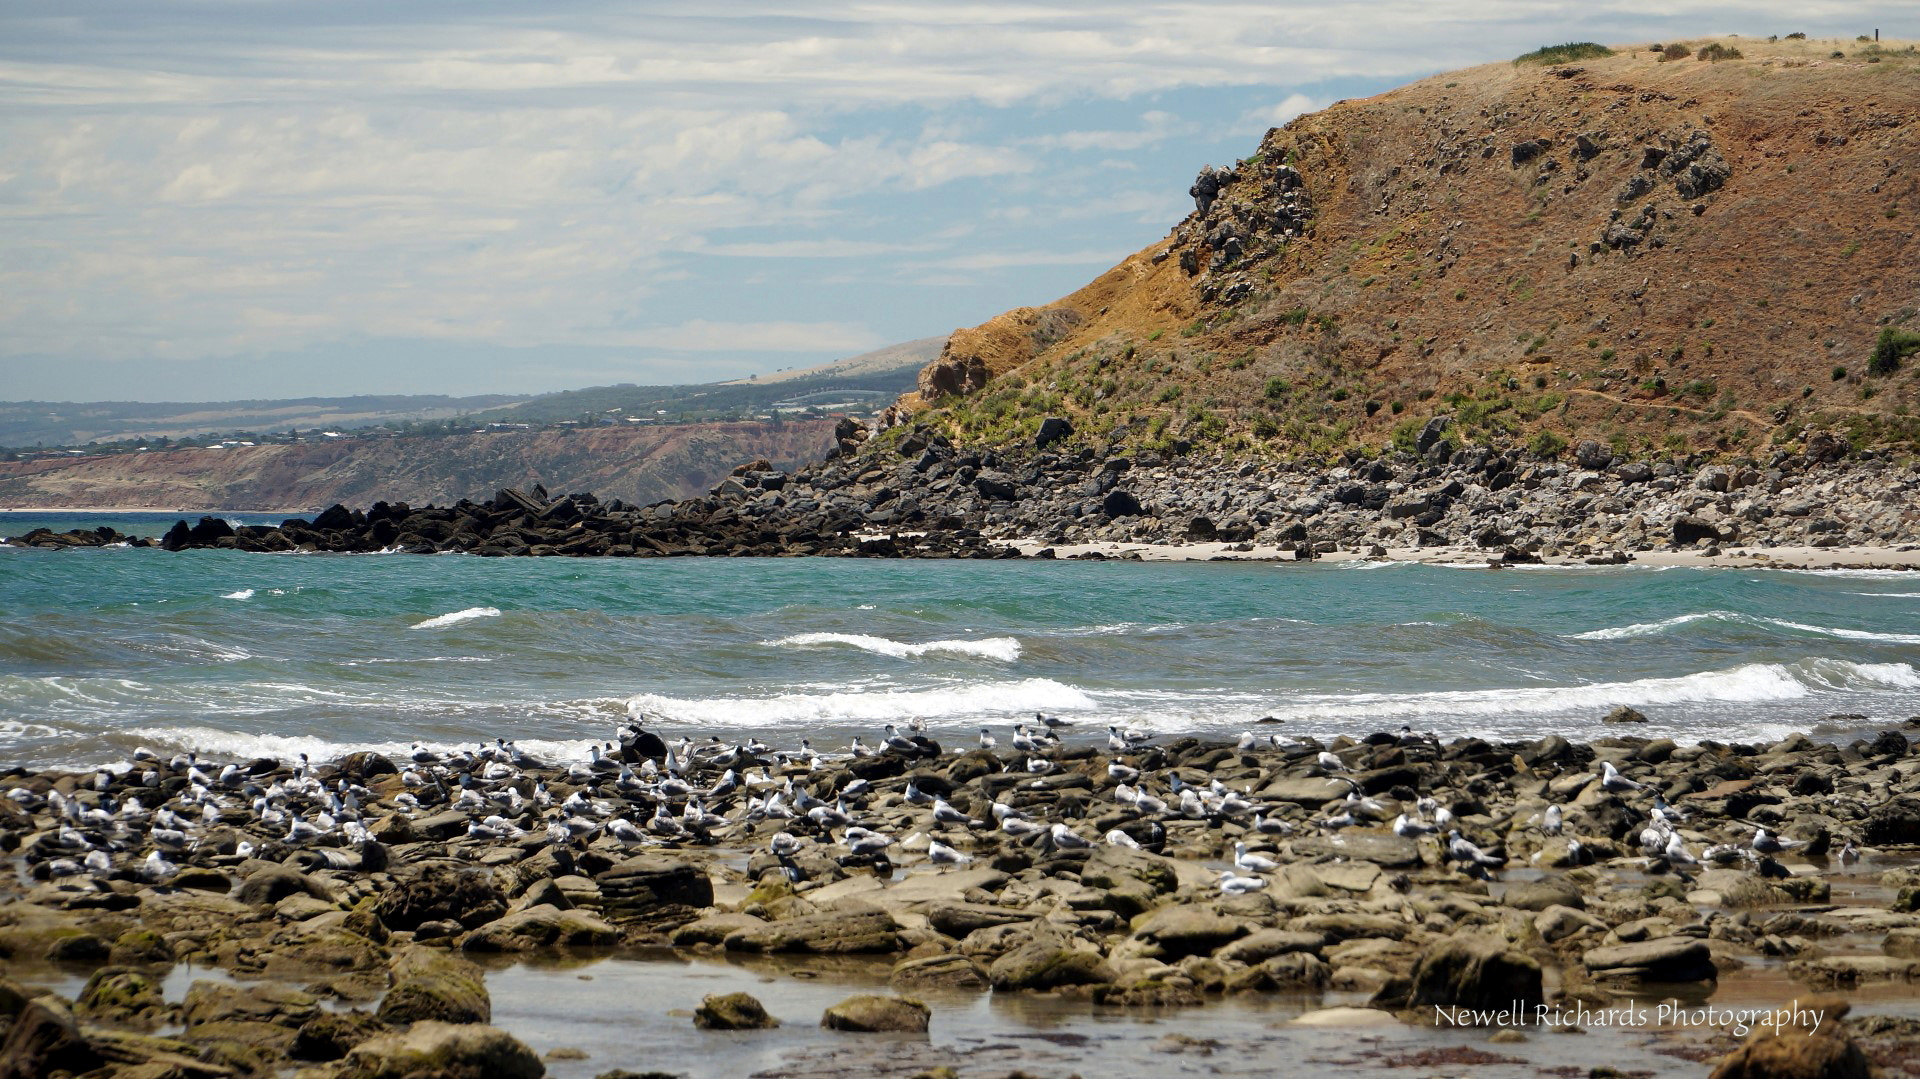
{"x": 338, "y": 915}
{"x": 912, "y": 494}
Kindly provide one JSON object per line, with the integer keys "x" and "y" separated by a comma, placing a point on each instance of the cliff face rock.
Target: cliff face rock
{"x": 638, "y": 464}
{"x": 1657, "y": 257}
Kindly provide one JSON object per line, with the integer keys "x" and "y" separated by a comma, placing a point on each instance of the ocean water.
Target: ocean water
{"x": 233, "y": 654}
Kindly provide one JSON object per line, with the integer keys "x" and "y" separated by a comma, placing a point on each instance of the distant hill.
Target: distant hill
{"x": 1706, "y": 247}
{"x": 640, "y": 464}
{"x": 907, "y": 354}
{"x": 863, "y": 383}
{"x": 71, "y": 423}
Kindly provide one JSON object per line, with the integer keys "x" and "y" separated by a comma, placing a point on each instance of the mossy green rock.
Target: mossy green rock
{"x": 445, "y": 1051}
{"x": 123, "y": 997}
{"x": 733, "y": 1011}
{"x": 870, "y": 1014}
{"x": 431, "y": 985}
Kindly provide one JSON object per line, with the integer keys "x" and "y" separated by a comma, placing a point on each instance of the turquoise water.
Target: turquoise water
{"x": 227, "y": 653}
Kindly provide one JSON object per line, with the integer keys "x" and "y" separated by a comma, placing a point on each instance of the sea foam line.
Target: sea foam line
{"x": 458, "y": 616}
{"x": 1646, "y": 629}
{"x": 1004, "y": 649}
{"x": 792, "y": 709}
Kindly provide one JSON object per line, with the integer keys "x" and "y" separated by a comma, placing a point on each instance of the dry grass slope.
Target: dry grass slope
{"x": 1666, "y": 255}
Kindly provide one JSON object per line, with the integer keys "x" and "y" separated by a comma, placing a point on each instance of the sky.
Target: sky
{"x": 220, "y": 199}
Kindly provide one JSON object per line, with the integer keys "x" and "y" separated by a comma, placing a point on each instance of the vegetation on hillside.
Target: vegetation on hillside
{"x": 1662, "y": 260}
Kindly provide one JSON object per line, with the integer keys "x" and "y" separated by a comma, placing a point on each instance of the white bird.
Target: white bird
{"x": 1040, "y": 766}
{"x": 1232, "y": 884}
{"x": 1331, "y": 763}
{"x": 1118, "y": 838}
{"x": 1251, "y": 862}
{"x": 859, "y": 748}
{"x": 158, "y": 868}
{"x": 866, "y": 841}
{"x": 1550, "y": 823}
{"x": 1020, "y": 827}
{"x": 1462, "y": 849}
{"x": 941, "y": 854}
{"x": 784, "y": 844}
{"x": 1247, "y": 742}
{"x": 1676, "y": 852}
{"x": 896, "y": 740}
{"x": 1065, "y": 839}
{"x": 1121, "y": 773}
{"x": 915, "y": 796}
{"x": 946, "y": 814}
{"x": 1766, "y": 844}
{"x": 623, "y": 831}
{"x": 1412, "y": 827}
{"x": 1271, "y": 825}
{"x": 1612, "y": 780}
{"x": 986, "y": 739}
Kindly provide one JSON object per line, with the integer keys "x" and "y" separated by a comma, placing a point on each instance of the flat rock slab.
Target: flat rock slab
{"x": 836, "y": 933}
{"x": 1663, "y": 959}
{"x": 1383, "y": 849}
{"x": 1311, "y": 791}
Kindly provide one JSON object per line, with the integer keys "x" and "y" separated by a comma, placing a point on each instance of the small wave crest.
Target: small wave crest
{"x": 1648, "y": 629}
{"x": 457, "y": 617}
{"x": 244, "y": 593}
{"x": 1004, "y": 649}
{"x": 797, "y": 709}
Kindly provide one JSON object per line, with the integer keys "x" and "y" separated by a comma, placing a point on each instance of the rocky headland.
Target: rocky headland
{"x": 351, "y": 903}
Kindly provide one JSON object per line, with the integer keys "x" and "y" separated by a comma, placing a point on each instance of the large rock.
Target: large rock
{"x": 542, "y": 927}
{"x": 732, "y": 1011}
{"x": 440, "y": 893}
{"x": 939, "y": 972}
{"x": 1175, "y": 932}
{"x": 444, "y": 1051}
{"x": 1812, "y": 1045}
{"x": 654, "y": 892}
{"x": 1896, "y": 822}
{"x": 869, "y": 1014}
{"x": 429, "y": 984}
{"x": 1049, "y": 959}
{"x": 261, "y": 1002}
{"x": 43, "y": 1040}
{"x": 1475, "y": 973}
{"x": 1664, "y": 959}
{"x": 843, "y": 932}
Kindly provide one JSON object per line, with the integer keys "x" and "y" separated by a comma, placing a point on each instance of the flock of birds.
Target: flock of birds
{"x": 640, "y": 792}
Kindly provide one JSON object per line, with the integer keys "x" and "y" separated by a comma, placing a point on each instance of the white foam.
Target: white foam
{"x": 799, "y": 709}
{"x": 1749, "y": 683}
{"x": 1645, "y": 629}
{"x": 244, "y": 593}
{"x": 1004, "y": 649}
{"x": 242, "y": 745}
{"x": 1849, "y": 634}
{"x": 457, "y": 617}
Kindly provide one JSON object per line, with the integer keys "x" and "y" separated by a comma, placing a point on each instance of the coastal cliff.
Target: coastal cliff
{"x": 1657, "y": 251}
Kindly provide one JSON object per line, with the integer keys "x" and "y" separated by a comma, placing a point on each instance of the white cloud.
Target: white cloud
{"x": 700, "y": 335}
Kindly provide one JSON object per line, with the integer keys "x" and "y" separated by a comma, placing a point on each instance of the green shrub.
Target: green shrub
{"x": 1277, "y": 388}
{"x": 1717, "y": 52}
{"x": 1894, "y": 345}
{"x": 1547, "y": 444}
{"x": 1562, "y": 54}
{"x": 1675, "y": 51}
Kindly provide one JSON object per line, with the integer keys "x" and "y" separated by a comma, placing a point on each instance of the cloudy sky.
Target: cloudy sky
{"x": 250, "y": 198}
